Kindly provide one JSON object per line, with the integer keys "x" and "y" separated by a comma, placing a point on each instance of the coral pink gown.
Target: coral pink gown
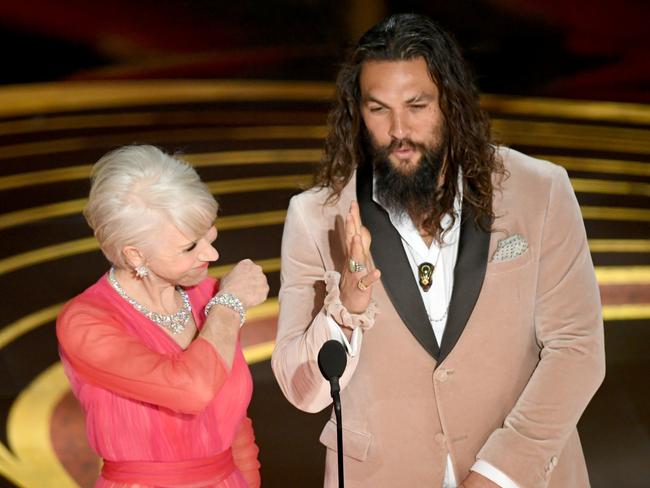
{"x": 158, "y": 415}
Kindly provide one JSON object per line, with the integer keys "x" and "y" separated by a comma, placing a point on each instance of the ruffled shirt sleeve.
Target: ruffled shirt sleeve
{"x": 309, "y": 303}
{"x": 102, "y": 353}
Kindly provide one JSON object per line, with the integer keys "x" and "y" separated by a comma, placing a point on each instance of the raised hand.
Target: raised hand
{"x": 358, "y": 275}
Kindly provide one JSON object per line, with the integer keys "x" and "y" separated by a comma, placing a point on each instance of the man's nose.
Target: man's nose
{"x": 399, "y": 126}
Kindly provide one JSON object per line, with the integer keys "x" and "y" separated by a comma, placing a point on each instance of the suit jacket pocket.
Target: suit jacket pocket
{"x": 355, "y": 444}
{"x": 510, "y": 265}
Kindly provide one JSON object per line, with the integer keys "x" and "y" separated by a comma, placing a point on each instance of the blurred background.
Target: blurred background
{"x": 242, "y": 90}
{"x": 578, "y": 49}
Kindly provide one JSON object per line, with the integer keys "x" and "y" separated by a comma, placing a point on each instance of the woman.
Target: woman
{"x": 152, "y": 350}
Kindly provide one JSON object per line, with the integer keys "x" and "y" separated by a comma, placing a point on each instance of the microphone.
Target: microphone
{"x": 332, "y": 359}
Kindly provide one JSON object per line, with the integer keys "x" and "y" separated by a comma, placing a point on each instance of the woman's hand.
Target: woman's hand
{"x": 247, "y": 282}
{"x": 356, "y": 286}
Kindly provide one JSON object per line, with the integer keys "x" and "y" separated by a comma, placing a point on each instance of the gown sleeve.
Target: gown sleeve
{"x": 103, "y": 354}
{"x": 245, "y": 452}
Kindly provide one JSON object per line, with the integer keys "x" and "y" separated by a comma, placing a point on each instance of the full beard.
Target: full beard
{"x": 414, "y": 192}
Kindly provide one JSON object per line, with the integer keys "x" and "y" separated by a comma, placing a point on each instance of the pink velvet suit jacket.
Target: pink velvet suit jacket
{"x": 521, "y": 356}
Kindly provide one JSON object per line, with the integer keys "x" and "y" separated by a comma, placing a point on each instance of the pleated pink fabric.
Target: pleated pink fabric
{"x": 159, "y": 415}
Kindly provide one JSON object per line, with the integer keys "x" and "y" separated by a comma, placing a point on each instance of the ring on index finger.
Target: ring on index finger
{"x": 361, "y": 285}
{"x": 355, "y": 267}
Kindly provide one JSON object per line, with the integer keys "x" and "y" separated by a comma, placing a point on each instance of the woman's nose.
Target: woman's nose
{"x": 208, "y": 253}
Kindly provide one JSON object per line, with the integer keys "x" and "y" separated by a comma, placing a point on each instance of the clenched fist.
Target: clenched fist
{"x": 247, "y": 282}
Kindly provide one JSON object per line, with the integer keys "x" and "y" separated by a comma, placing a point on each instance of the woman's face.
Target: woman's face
{"x": 177, "y": 259}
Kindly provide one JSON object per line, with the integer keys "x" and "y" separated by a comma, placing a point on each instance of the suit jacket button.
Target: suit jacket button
{"x": 440, "y": 439}
{"x": 442, "y": 375}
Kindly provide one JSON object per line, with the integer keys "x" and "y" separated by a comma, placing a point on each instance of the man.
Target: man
{"x": 473, "y": 357}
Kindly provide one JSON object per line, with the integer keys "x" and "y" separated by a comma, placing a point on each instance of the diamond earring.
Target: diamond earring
{"x": 141, "y": 271}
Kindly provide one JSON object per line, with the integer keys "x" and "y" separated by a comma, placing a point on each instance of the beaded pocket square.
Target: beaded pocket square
{"x": 509, "y": 248}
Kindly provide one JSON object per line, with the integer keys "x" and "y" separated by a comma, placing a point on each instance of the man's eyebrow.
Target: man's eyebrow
{"x": 420, "y": 97}
{"x": 370, "y": 98}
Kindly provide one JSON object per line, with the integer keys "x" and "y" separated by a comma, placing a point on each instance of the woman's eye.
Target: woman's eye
{"x": 191, "y": 248}
{"x": 418, "y": 106}
{"x": 376, "y": 109}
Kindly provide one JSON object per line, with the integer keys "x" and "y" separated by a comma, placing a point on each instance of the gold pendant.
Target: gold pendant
{"x": 425, "y": 273}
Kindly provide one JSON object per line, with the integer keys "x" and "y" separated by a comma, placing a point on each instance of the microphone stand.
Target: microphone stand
{"x": 335, "y": 389}
{"x": 332, "y": 359}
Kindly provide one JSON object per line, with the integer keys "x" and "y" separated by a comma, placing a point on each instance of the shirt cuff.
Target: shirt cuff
{"x": 335, "y": 332}
{"x": 333, "y": 306}
{"x": 493, "y": 474}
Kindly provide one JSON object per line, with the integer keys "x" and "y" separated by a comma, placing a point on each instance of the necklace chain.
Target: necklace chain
{"x": 174, "y": 323}
{"x": 444, "y": 316}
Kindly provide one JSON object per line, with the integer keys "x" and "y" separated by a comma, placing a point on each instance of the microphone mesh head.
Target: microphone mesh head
{"x": 332, "y": 359}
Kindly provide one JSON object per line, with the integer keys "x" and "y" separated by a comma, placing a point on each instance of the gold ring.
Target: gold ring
{"x": 361, "y": 285}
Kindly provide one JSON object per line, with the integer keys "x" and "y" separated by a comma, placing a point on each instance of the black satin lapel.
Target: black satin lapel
{"x": 468, "y": 280}
{"x": 389, "y": 256}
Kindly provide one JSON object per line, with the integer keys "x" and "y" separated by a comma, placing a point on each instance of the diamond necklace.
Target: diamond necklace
{"x": 174, "y": 323}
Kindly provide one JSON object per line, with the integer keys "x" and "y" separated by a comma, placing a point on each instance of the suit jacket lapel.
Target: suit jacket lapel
{"x": 469, "y": 273}
{"x": 390, "y": 257}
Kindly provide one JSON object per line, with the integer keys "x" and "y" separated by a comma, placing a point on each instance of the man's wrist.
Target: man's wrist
{"x": 495, "y": 475}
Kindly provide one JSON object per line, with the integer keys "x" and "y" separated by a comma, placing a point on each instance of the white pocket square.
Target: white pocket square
{"x": 509, "y": 248}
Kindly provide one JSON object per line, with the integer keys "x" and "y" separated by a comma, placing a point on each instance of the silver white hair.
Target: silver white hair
{"x": 134, "y": 189}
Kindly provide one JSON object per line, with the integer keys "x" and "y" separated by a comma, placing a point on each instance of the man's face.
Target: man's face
{"x": 400, "y": 109}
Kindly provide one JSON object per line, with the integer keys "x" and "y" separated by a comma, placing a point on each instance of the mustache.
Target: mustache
{"x": 384, "y": 151}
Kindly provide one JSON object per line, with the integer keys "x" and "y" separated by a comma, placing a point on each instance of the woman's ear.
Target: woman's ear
{"x": 133, "y": 257}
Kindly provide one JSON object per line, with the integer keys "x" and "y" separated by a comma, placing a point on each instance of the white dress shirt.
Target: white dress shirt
{"x": 436, "y": 302}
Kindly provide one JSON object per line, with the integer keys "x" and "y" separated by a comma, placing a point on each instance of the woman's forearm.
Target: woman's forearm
{"x": 221, "y": 329}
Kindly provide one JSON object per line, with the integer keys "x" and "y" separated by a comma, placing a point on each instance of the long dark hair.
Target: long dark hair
{"x": 467, "y": 145}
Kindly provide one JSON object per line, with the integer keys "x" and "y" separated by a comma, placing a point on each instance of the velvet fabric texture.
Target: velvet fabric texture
{"x": 521, "y": 356}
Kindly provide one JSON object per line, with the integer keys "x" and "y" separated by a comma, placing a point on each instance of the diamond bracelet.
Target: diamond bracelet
{"x": 227, "y": 300}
